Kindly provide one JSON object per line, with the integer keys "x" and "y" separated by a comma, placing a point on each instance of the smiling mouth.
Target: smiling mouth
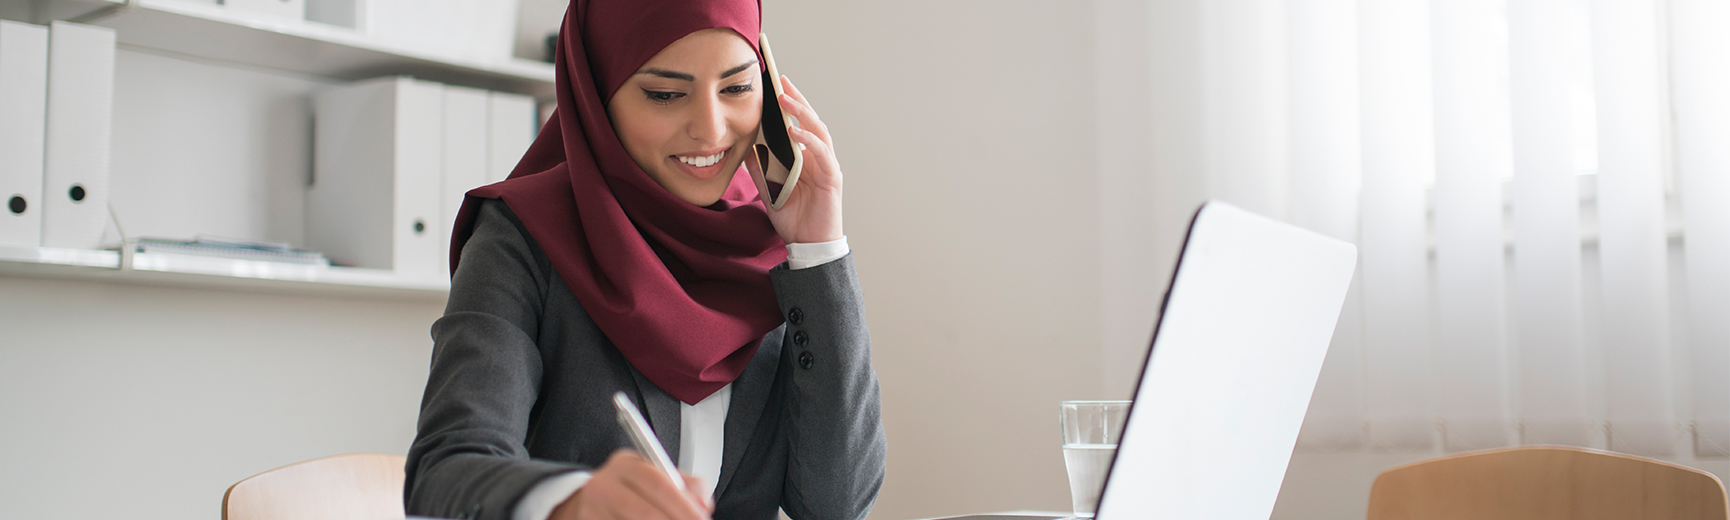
{"x": 702, "y": 161}
{"x": 701, "y": 167}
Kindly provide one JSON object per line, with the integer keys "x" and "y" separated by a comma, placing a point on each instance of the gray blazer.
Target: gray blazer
{"x": 522, "y": 379}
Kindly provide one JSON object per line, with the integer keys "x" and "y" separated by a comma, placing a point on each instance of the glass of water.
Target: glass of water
{"x": 1090, "y": 433}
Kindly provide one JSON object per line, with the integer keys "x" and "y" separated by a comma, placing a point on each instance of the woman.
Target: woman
{"x": 627, "y": 252}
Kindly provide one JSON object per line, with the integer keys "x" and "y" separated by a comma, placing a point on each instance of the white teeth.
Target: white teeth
{"x": 701, "y": 162}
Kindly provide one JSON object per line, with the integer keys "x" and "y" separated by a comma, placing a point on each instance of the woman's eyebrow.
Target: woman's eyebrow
{"x": 738, "y": 69}
{"x": 668, "y": 74}
{"x": 687, "y": 77}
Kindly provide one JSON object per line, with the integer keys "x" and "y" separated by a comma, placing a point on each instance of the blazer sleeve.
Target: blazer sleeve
{"x": 834, "y": 426}
{"x": 468, "y": 459}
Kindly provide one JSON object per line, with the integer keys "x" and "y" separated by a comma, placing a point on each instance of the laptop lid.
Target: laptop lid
{"x": 1228, "y": 378}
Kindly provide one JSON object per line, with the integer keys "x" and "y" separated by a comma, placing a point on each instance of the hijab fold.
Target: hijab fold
{"x": 683, "y": 291}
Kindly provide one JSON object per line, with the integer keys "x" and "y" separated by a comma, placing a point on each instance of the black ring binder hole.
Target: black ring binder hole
{"x": 77, "y": 193}
{"x": 17, "y": 205}
{"x": 419, "y": 226}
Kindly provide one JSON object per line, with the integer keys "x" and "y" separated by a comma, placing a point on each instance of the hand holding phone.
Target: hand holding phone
{"x": 805, "y": 201}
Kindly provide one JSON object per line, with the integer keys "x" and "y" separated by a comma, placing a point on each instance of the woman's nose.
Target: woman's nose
{"x": 709, "y": 122}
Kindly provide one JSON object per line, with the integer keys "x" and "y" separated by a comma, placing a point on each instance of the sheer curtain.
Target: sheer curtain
{"x": 1539, "y": 189}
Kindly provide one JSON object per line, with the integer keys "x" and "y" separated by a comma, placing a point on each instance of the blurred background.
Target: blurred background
{"x": 1537, "y": 189}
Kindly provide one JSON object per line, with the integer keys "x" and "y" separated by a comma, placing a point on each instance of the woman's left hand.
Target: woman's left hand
{"x": 813, "y": 211}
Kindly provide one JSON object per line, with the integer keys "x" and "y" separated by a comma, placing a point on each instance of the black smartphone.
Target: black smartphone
{"x": 775, "y": 159}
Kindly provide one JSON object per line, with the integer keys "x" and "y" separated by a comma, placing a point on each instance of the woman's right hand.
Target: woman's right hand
{"x": 627, "y": 487}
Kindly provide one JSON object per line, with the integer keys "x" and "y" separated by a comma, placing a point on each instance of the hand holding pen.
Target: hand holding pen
{"x": 633, "y": 486}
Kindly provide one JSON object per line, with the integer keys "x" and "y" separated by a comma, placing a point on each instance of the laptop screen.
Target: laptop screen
{"x": 1228, "y": 378}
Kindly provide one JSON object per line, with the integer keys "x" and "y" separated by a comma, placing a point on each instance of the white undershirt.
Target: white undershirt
{"x": 701, "y": 426}
{"x": 700, "y": 454}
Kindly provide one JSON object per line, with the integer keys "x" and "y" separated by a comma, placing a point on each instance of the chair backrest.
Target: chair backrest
{"x": 359, "y": 486}
{"x": 1545, "y": 482}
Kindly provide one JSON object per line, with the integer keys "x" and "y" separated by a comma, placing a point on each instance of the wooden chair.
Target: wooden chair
{"x": 1545, "y": 482}
{"x": 359, "y": 486}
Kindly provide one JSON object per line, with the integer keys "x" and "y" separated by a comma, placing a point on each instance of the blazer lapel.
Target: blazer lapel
{"x": 662, "y": 411}
{"x": 750, "y": 396}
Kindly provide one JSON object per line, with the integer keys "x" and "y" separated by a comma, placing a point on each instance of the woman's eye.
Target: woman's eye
{"x": 738, "y": 89}
{"x": 661, "y": 96}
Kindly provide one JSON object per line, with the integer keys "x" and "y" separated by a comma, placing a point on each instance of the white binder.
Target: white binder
{"x": 479, "y": 29}
{"x": 374, "y": 200}
{"x": 511, "y": 128}
{"x": 465, "y": 149}
{"x": 80, "y": 123}
{"x": 344, "y": 13}
{"x": 290, "y": 9}
{"x": 23, "y": 109}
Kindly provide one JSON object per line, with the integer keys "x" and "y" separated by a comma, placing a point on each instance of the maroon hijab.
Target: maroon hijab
{"x": 683, "y": 291}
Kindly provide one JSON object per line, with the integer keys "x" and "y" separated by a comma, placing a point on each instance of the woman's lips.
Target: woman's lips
{"x": 702, "y": 172}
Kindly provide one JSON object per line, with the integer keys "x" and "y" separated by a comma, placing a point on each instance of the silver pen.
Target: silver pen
{"x": 644, "y": 438}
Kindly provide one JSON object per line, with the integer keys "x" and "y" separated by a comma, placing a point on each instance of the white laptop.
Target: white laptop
{"x": 1234, "y": 360}
{"x": 1227, "y": 381}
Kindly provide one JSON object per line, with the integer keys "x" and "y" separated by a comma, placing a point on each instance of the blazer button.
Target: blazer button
{"x": 800, "y": 337}
{"x": 795, "y": 316}
{"x": 805, "y": 360}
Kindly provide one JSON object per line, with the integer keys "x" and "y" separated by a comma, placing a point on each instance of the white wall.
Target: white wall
{"x": 140, "y": 402}
{"x": 965, "y": 130}
{"x": 1150, "y": 173}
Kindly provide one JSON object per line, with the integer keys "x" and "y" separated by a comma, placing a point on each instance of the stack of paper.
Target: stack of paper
{"x": 231, "y": 248}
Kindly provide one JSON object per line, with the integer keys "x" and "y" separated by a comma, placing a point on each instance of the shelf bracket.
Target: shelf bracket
{"x": 128, "y": 246}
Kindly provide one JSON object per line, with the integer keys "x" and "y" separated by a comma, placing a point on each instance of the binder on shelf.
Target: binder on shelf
{"x": 374, "y": 199}
{"x": 289, "y": 9}
{"x": 465, "y": 151}
{"x": 478, "y": 29}
{"x": 23, "y": 114}
{"x": 342, "y": 13}
{"x": 511, "y": 127}
{"x": 79, "y": 128}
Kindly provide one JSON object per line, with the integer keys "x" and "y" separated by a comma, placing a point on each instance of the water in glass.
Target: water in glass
{"x": 1090, "y": 432}
{"x": 1087, "y": 466}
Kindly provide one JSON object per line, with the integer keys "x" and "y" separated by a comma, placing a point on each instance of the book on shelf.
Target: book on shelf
{"x": 219, "y": 247}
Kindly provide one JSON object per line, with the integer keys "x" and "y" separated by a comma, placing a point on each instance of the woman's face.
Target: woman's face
{"x": 689, "y": 115}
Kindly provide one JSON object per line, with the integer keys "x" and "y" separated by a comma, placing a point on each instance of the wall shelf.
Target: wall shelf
{"x": 214, "y": 32}
{"x": 216, "y": 273}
